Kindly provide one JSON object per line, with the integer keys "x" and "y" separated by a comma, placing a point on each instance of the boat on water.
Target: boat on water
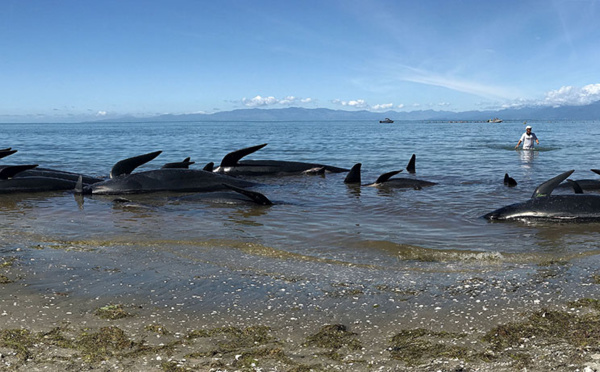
{"x": 386, "y": 120}
{"x": 494, "y": 120}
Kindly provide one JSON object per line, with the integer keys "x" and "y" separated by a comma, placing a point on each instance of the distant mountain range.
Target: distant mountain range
{"x": 587, "y": 112}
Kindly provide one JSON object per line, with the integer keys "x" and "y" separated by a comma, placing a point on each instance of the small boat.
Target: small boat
{"x": 494, "y": 120}
{"x": 386, "y": 120}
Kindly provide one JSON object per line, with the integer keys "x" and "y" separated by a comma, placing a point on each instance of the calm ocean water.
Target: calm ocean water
{"x": 315, "y": 219}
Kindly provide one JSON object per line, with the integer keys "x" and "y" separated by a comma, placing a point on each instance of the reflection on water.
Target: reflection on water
{"x": 527, "y": 157}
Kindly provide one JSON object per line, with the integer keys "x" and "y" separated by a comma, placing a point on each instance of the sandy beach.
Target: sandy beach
{"x": 57, "y": 312}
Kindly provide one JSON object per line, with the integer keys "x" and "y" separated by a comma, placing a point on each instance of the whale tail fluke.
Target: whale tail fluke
{"x": 353, "y": 175}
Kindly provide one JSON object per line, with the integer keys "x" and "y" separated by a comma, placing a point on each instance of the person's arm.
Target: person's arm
{"x": 518, "y": 143}
{"x": 537, "y": 140}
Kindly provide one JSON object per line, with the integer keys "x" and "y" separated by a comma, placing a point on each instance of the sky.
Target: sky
{"x": 78, "y": 60}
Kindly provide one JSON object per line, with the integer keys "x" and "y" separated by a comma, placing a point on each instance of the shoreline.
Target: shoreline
{"x": 295, "y": 325}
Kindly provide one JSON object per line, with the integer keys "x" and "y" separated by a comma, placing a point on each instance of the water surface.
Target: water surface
{"x": 318, "y": 227}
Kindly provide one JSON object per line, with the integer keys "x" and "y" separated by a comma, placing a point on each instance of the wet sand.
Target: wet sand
{"x": 78, "y": 309}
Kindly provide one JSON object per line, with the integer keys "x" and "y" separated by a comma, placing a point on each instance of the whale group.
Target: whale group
{"x": 233, "y": 176}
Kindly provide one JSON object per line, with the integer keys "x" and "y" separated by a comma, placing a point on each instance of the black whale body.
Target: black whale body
{"x": 386, "y": 180}
{"x": 167, "y": 179}
{"x": 177, "y": 179}
{"x": 543, "y": 205}
{"x": 11, "y": 181}
{"x": 234, "y": 166}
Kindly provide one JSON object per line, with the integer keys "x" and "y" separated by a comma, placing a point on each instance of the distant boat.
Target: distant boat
{"x": 494, "y": 120}
{"x": 386, "y": 120}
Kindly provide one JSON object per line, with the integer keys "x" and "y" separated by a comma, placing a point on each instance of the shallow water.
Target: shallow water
{"x": 317, "y": 223}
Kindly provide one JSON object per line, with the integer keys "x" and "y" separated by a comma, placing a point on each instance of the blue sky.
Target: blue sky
{"x": 75, "y": 59}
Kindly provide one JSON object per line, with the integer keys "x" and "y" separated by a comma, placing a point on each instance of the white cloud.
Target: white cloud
{"x": 101, "y": 113}
{"x": 359, "y": 103}
{"x": 384, "y": 106}
{"x": 572, "y": 96}
{"x": 259, "y": 101}
{"x": 564, "y": 96}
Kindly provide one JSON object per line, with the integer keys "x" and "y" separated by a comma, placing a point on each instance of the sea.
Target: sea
{"x": 320, "y": 234}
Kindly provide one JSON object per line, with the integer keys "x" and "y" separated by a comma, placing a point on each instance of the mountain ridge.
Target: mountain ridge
{"x": 586, "y": 112}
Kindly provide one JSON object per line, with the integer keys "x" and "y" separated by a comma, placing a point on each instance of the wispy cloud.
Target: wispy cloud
{"x": 420, "y": 76}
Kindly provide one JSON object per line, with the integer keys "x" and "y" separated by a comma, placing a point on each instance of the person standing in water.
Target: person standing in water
{"x": 528, "y": 138}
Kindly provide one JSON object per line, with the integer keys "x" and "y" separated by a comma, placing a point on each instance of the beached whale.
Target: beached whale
{"x": 585, "y": 184}
{"x": 10, "y": 183}
{"x": 6, "y": 152}
{"x": 54, "y": 173}
{"x": 234, "y": 166}
{"x": 122, "y": 181}
{"x": 386, "y": 180}
{"x": 46, "y": 172}
{"x": 543, "y": 205}
{"x": 235, "y": 196}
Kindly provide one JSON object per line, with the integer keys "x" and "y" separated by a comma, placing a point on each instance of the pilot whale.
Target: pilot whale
{"x": 176, "y": 179}
{"x": 234, "y": 166}
{"x": 585, "y": 184}
{"x": 10, "y": 183}
{"x": 235, "y": 196}
{"x": 46, "y": 172}
{"x": 6, "y": 152}
{"x": 386, "y": 180}
{"x": 543, "y": 205}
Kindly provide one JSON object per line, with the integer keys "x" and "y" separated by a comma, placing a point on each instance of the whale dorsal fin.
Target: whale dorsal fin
{"x": 10, "y": 171}
{"x": 354, "y": 175}
{"x": 79, "y": 186}
{"x": 256, "y": 197}
{"x": 231, "y": 159}
{"x": 597, "y": 171}
{"x": 576, "y": 187}
{"x": 180, "y": 164}
{"x": 410, "y": 168}
{"x": 126, "y": 166}
{"x": 5, "y": 152}
{"x": 509, "y": 181}
{"x": 209, "y": 167}
{"x": 386, "y": 176}
{"x": 547, "y": 187}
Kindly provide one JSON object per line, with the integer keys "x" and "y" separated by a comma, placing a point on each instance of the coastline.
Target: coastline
{"x": 55, "y": 315}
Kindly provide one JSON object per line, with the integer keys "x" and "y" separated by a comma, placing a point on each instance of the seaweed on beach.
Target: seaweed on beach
{"x": 420, "y": 345}
{"x": 112, "y": 312}
{"x": 334, "y": 336}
